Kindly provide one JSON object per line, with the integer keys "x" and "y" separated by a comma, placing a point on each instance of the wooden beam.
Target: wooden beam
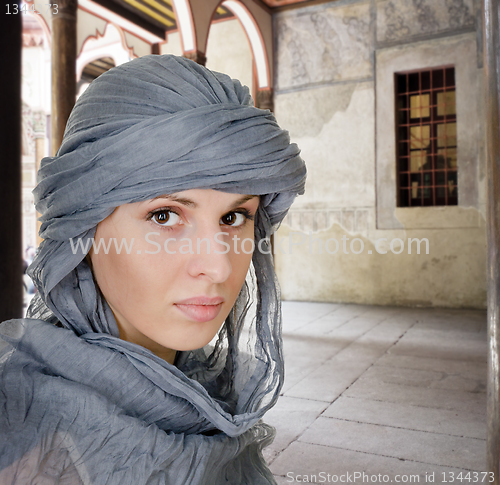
{"x": 491, "y": 85}
{"x": 135, "y": 16}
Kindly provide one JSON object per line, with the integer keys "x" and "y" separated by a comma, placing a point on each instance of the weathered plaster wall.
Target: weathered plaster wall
{"x": 173, "y": 45}
{"x": 331, "y": 42}
{"x": 334, "y": 89}
{"x": 334, "y": 127}
{"x": 449, "y": 276}
{"x": 228, "y": 51}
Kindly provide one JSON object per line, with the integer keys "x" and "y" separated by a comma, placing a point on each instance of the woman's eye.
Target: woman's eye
{"x": 233, "y": 219}
{"x": 166, "y": 218}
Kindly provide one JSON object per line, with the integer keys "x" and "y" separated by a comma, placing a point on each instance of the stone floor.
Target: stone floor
{"x": 398, "y": 392}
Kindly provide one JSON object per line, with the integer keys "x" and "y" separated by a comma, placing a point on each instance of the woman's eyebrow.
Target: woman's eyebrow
{"x": 192, "y": 203}
{"x": 181, "y": 200}
{"x": 243, "y": 199}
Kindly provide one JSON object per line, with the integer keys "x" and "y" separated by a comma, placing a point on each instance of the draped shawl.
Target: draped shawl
{"x": 79, "y": 405}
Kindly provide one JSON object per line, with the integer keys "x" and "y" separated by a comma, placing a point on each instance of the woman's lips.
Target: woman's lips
{"x": 200, "y": 309}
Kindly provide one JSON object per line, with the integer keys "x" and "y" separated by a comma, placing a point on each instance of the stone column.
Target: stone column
{"x": 63, "y": 68}
{"x": 11, "y": 268}
{"x": 491, "y": 82}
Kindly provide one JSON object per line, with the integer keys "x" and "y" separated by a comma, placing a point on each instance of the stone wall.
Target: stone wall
{"x": 335, "y": 65}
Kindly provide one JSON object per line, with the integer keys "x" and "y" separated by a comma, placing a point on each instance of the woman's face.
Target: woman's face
{"x": 174, "y": 266}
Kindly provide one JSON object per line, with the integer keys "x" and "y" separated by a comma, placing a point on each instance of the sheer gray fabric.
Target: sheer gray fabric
{"x": 78, "y": 404}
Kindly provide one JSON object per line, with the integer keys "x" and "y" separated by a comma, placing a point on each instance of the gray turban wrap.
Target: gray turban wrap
{"x": 79, "y": 404}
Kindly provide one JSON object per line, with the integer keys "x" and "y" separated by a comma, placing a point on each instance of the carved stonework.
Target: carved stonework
{"x": 324, "y": 44}
{"x": 395, "y": 25}
{"x": 39, "y": 123}
{"x": 459, "y": 13}
{"x": 27, "y": 130}
{"x": 33, "y": 127}
{"x": 331, "y": 44}
{"x": 359, "y": 31}
{"x": 288, "y": 40}
{"x": 426, "y": 16}
{"x": 198, "y": 57}
{"x": 404, "y": 19}
{"x": 33, "y": 34}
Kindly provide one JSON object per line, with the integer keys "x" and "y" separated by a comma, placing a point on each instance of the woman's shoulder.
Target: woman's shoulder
{"x": 13, "y": 330}
{"x": 12, "y": 334}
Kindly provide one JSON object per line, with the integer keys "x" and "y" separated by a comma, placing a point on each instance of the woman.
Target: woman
{"x": 166, "y": 179}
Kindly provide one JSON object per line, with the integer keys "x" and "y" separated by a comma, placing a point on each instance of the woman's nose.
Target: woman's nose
{"x": 211, "y": 256}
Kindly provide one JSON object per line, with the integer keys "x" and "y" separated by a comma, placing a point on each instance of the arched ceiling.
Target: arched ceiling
{"x": 95, "y": 68}
{"x": 158, "y": 17}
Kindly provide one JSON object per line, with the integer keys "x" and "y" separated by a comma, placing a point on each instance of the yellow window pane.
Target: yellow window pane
{"x": 451, "y": 187}
{"x": 419, "y": 106}
{"x": 450, "y": 155}
{"x": 447, "y": 135}
{"x": 420, "y": 136}
{"x": 446, "y": 103}
{"x": 417, "y": 159}
{"x": 414, "y": 190}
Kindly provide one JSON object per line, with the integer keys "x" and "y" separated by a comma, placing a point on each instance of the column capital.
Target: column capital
{"x": 196, "y": 56}
{"x": 264, "y": 99}
{"x": 65, "y": 9}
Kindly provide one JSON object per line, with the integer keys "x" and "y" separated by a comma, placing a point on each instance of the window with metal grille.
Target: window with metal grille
{"x": 426, "y": 140}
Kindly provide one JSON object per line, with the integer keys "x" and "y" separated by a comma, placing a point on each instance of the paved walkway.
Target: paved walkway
{"x": 381, "y": 390}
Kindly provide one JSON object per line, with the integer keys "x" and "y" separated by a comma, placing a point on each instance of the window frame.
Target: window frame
{"x": 428, "y": 84}
{"x": 462, "y": 52}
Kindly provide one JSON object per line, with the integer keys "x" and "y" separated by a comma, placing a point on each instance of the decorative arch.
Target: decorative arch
{"x": 111, "y": 44}
{"x": 185, "y": 23}
{"x": 256, "y": 40}
{"x": 256, "y": 20}
{"x": 41, "y": 21}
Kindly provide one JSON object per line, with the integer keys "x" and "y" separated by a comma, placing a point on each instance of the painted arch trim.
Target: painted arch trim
{"x": 256, "y": 41}
{"x": 185, "y": 23}
{"x": 110, "y": 44}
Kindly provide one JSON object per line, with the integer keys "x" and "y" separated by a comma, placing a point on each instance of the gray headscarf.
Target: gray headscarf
{"x": 80, "y": 403}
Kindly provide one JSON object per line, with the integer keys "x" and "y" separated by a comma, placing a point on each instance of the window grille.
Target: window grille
{"x": 426, "y": 137}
